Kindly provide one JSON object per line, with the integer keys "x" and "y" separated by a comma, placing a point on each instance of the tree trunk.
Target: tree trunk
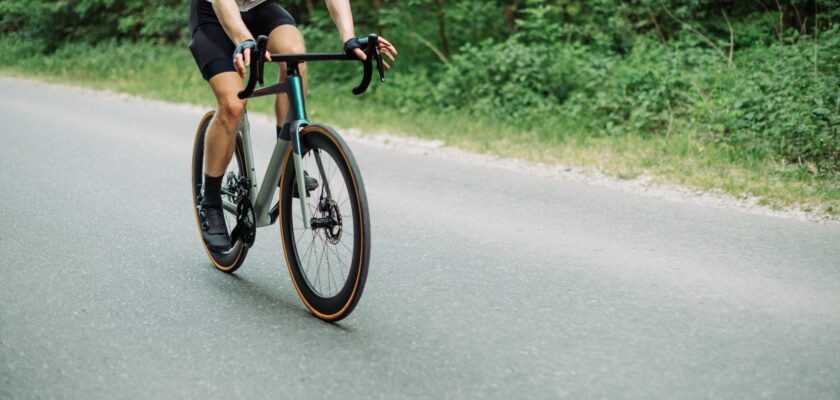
{"x": 377, "y": 6}
{"x": 310, "y": 8}
{"x": 444, "y": 43}
{"x": 509, "y": 15}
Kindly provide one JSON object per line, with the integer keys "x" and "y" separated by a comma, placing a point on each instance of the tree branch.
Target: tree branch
{"x": 431, "y": 47}
{"x": 658, "y": 28}
{"x": 781, "y": 22}
{"x": 695, "y": 31}
{"x": 731, "y": 38}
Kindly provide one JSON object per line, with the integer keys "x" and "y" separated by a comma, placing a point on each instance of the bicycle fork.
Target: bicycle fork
{"x": 299, "y": 117}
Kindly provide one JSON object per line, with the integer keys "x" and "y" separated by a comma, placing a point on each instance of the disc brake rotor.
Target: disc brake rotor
{"x": 332, "y": 232}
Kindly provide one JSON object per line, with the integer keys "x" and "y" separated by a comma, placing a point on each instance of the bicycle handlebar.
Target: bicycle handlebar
{"x": 256, "y": 68}
{"x": 369, "y": 45}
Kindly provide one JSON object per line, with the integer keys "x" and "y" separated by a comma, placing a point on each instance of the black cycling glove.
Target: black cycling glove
{"x": 247, "y": 44}
{"x": 351, "y": 44}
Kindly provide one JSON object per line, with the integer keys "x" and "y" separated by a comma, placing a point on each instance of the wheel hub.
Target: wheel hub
{"x": 330, "y": 221}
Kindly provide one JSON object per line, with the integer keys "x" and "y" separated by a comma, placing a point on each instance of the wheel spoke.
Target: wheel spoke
{"x": 318, "y": 271}
{"x": 338, "y": 258}
{"x": 309, "y": 260}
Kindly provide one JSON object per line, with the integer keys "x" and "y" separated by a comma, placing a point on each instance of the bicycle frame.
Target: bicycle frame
{"x": 260, "y": 196}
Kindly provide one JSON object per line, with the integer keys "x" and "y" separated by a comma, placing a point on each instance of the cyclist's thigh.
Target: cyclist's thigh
{"x": 212, "y": 50}
{"x": 265, "y": 17}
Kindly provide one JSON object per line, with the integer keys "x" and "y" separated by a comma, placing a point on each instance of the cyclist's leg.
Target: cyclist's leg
{"x": 212, "y": 50}
{"x": 219, "y": 143}
{"x": 271, "y": 19}
{"x": 286, "y": 39}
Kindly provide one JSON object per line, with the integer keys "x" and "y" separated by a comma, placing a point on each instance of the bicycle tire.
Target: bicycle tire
{"x": 328, "y": 307}
{"x": 231, "y": 260}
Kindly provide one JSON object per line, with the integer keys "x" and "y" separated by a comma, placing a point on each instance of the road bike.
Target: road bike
{"x": 326, "y": 235}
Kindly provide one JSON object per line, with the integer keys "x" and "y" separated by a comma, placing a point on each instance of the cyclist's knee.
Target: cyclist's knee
{"x": 286, "y": 39}
{"x": 230, "y": 111}
{"x": 293, "y": 48}
{"x": 290, "y": 47}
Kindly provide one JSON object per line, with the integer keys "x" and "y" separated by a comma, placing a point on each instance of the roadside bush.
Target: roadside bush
{"x": 779, "y": 104}
{"x": 512, "y": 79}
{"x": 641, "y": 91}
{"x": 771, "y": 104}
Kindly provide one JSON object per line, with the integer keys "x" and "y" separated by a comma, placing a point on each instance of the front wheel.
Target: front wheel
{"x": 328, "y": 255}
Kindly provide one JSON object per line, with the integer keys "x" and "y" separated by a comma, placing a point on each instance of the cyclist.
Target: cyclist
{"x": 221, "y": 39}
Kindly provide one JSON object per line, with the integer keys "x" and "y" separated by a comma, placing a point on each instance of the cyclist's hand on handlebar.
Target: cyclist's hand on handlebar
{"x": 385, "y": 47}
{"x": 242, "y": 56}
{"x": 354, "y": 45}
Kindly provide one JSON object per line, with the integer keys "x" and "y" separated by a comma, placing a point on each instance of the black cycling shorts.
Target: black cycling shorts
{"x": 210, "y": 45}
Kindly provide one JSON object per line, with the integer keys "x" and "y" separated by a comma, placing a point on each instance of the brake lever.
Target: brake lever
{"x": 262, "y": 45}
{"x": 379, "y": 65}
{"x": 257, "y": 63}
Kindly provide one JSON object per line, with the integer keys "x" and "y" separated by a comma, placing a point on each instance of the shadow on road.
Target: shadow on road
{"x": 258, "y": 296}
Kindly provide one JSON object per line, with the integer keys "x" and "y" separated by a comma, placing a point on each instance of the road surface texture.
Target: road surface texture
{"x": 484, "y": 283}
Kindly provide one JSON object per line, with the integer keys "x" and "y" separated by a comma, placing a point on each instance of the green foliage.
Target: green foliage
{"x": 776, "y": 101}
{"x": 784, "y": 105}
{"x": 757, "y": 77}
{"x": 57, "y": 22}
{"x": 511, "y": 78}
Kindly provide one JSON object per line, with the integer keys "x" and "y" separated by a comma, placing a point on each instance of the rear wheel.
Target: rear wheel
{"x": 328, "y": 263}
{"x": 230, "y": 260}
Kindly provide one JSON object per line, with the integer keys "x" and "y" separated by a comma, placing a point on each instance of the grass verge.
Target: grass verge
{"x": 681, "y": 157}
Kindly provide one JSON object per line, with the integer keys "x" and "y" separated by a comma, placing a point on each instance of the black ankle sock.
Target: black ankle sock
{"x": 212, "y": 191}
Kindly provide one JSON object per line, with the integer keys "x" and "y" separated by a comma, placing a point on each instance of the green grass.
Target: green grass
{"x": 681, "y": 157}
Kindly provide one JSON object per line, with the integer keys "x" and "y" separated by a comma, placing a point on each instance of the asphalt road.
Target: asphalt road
{"x": 484, "y": 283}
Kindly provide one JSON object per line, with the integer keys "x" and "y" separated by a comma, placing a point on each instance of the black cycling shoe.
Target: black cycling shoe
{"x": 213, "y": 228}
{"x": 310, "y": 183}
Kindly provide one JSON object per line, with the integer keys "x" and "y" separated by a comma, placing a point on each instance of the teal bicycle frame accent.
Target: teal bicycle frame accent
{"x": 298, "y": 110}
